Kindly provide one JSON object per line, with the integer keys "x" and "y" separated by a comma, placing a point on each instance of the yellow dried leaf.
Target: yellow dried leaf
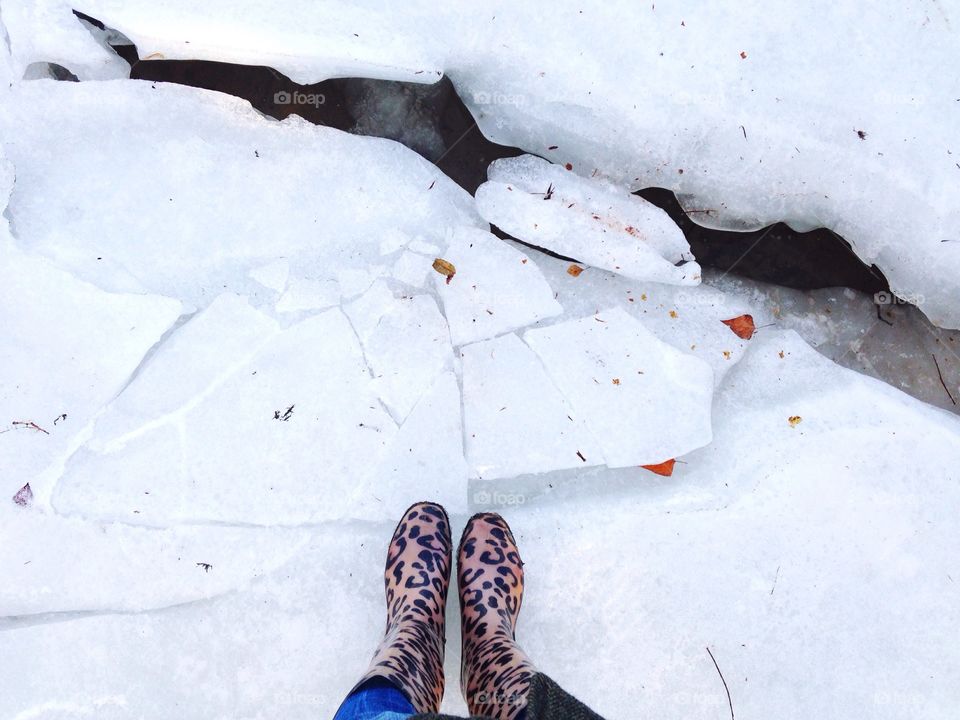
{"x": 445, "y": 268}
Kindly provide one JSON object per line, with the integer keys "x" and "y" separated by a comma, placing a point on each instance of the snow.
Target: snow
{"x": 496, "y": 289}
{"x": 734, "y": 113}
{"x": 516, "y": 420}
{"x": 260, "y": 369}
{"x": 47, "y": 31}
{"x": 592, "y": 221}
{"x": 644, "y": 401}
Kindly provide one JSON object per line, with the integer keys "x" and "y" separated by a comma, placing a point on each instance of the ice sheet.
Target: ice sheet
{"x": 644, "y": 401}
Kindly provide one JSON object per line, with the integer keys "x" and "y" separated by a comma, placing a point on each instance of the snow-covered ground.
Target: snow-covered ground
{"x": 229, "y": 360}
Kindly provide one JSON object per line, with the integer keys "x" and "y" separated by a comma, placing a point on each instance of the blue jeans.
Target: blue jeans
{"x": 376, "y": 699}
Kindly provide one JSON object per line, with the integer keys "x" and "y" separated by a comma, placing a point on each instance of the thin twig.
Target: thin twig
{"x": 949, "y": 394}
{"x": 729, "y": 700}
{"x": 29, "y": 424}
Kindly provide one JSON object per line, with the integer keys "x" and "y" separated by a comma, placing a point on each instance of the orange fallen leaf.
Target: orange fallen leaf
{"x": 616, "y": 381}
{"x": 673, "y": 314}
{"x": 794, "y": 420}
{"x": 665, "y": 468}
{"x": 574, "y": 270}
{"x": 742, "y": 326}
{"x": 445, "y": 268}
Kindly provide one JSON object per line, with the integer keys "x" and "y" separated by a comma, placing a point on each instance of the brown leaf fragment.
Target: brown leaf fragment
{"x": 574, "y": 270}
{"x": 742, "y": 326}
{"x": 794, "y": 420}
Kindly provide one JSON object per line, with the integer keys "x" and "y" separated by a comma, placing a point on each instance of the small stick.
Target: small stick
{"x": 33, "y": 426}
{"x": 949, "y": 394}
{"x": 729, "y": 700}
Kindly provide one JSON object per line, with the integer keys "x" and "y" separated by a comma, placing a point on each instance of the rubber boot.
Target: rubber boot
{"x": 416, "y": 580}
{"x": 495, "y": 672}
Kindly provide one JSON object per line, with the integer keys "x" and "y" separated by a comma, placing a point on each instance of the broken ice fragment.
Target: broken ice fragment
{"x": 661, "y": 408}
{"x": 516, "y": 421}
{"x": 588, "y": 219}
{"x": 496, "y": 290}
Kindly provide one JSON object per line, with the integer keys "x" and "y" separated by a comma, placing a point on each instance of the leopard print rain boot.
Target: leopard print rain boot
{"x": 416, "y": 579}
{"x": 495, "y": 672}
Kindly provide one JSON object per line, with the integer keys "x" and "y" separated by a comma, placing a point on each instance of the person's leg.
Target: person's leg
{"x": 496, "y": 673}
{"x": 375, "y": 699}
{"x": 408, "y": 664}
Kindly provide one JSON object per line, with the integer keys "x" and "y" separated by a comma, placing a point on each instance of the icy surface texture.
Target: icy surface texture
{"x": 590, "y": 220}
{"x": 644, "y": 401}
{"x": 748, "y": 124}
{"x": 897, "y": 344}
{"x": 260, "y": 368}
{"x": 66, "y": 348}
{"x": 788, "y": 556}
{"x": 496, "y": 288}
{"x": 52, "y": 564}
{"x": 194, "y": 221}
{"x": 286, "y": 430}
{"x": 46, "y": 31}
{"x": 359, "y": 40}
{"x": 515, "y": 418}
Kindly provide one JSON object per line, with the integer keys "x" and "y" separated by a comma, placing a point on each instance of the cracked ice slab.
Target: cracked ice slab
{"x": 426, "y": 458}
{"x": 688, "y": 318}
{"x": 66, "y": 348}
{"x": 284, "y": 431}
{"x": 406, "y": 342}
{"x": 516, "y": 421}
{"x": 496, "y": 288}
{"x": 54, "y": 564}
{"x": 197, "y": 224}
{"x": 643, "y": 400}
{"x": 591, "y": 220}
